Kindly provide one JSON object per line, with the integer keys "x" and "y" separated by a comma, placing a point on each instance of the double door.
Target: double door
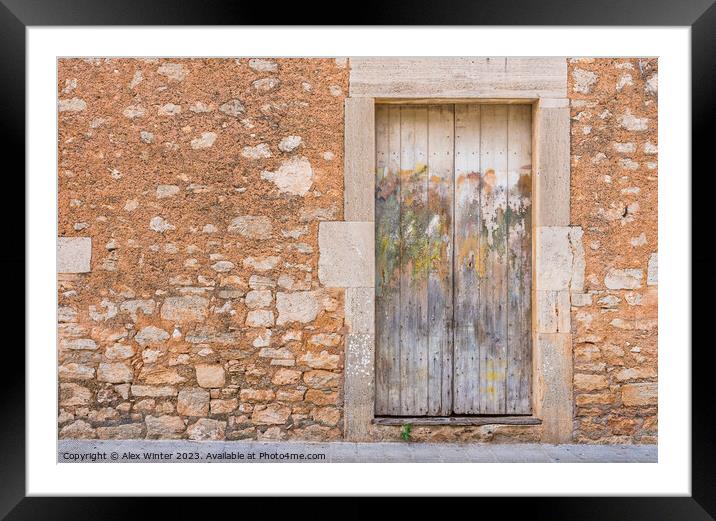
{"x": 453, "y": 259}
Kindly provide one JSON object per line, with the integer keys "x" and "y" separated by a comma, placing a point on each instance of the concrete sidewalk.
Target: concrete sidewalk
{"x": 181, "y": 451}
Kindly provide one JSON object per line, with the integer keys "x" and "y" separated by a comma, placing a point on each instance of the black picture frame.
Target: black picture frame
{"x": 700, "y": 15}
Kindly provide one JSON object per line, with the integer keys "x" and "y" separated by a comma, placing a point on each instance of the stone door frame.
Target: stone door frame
{"x": 347, "y": 251}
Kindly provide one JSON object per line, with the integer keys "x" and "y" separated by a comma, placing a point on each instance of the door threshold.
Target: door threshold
{"x": 457, "y": 420}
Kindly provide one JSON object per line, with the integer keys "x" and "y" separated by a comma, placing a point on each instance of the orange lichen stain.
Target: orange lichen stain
{"x": 524, "y": 185}
{"x": 480, "y": 264}
{"x": 465, "y": 254}
{"x": 387, "y": 184}
{"x": 489, "y": 180}
{"x": 470, "y": 176}
{"x": 472, "y": 254}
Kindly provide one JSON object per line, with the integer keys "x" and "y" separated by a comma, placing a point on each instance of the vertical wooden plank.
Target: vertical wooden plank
{"x": 382, "y": 360}
{"x": 492, "y": 269}
{"x": 519, "y": 252}
{"x": 408, "y": 323}
{"x": 421, "y": 267}
{"x": 440, "y": 281}
{"x": 466, "y": 260}
{"x": 413, "y": 264}
{"x": 387, "y": 238}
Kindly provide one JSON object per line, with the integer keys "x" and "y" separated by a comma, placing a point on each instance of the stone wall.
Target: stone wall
{"x": 201, "y": 184}
{"x": 191, "y": 300}
{"x": 614, "y": 200}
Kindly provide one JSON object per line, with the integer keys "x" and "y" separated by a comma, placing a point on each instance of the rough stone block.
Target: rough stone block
{"x": 164, "y": 427}
{"x": 115, "y": 373}
{"x": 623, "y": 279}
{"x": 152, "y": 391}
{"x": 74, "y": 254}
{"x": 185, "y": 309}
{"x": 210, "y": 375}
{"x": 320, "y": 379}
{"x": 640, "y": 394}
{"x": 207, "y": 429}
{"x": 652, "y": 273}
{"x": 128, "y": 431}
{"x": 590, "y": 382}
{"x": 273, "y": 414}
{"x": 79, "y": 429}
{"x": 193, "y": 402}
{"x": 347, "y": 257}
{"x": 322, "y": 360}
{"x": 299, "y": 306}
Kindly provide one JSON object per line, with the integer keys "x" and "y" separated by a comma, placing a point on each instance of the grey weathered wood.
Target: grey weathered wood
{"x": 420, "y": 355}
{"x": 453, "y": 269}
{"x": 440, "y": 278}
{"x": 466, "y": 258}
{"x": 387, "y": 285}
{"x": 408, "y": 298}
{"x": 458, "y": 77}
{"x": 459, "y": 420}
{"x": 413, "y": 269}
{"x": 492, "y": 270}
{"x": 519, "y": 254}
{"x": 359, "y": 160}
{"x": 382, "y": 360}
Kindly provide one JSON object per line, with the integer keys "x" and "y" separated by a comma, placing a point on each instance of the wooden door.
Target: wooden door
{"x": 453, "y": 259}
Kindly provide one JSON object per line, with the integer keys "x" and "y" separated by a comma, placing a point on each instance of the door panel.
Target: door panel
{"x": 387, "y": 273}
{"x": 519, "y": 255}
{"x": 491, "y": 264}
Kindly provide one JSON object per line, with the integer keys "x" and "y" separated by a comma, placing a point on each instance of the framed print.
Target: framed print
{"x": 376, "y": 245}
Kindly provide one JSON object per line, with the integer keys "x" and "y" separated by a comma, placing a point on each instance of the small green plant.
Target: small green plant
{"x": 405, "y": 431}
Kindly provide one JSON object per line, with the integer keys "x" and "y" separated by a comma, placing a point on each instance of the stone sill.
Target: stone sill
{"x": 457, "y": 420}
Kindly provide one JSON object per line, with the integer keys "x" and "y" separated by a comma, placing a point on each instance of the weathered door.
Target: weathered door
{"x": 453, "y": 259}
